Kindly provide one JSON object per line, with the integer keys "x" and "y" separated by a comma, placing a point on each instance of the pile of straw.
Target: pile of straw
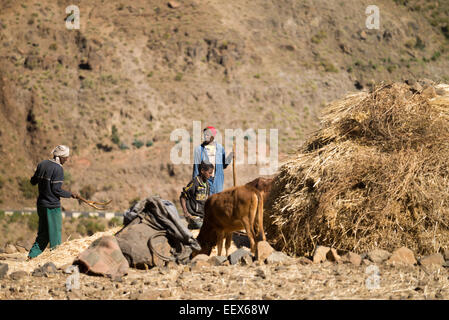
{"x": 375, "y": 175}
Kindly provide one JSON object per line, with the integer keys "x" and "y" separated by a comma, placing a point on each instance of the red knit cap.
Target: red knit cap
{"x": 212, "y": 129}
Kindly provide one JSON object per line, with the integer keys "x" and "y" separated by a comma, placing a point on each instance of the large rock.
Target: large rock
{"x": 238, "y": 255}
{"x": 278, "y": 257}
{"x": 378, "y": 255}
{"x": 10, "y": 248}
{"x": 320, "y": 254}
{"x": 353, "y": 258}
{"x": 263, "y": 250}
{"x": 402, "y": 255}
{"x": 433, "y": 259}
{"x": 3, "y": 270}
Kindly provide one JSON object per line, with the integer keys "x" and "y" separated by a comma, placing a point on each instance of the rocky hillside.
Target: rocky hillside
{"x": 135, "y": 71}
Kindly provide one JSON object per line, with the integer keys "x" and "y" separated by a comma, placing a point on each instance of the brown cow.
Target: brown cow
{"x": 232, "y": 210}
{"x": 263, "y": 185}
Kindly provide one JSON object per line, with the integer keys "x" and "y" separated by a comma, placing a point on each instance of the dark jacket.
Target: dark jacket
{"x": 196, "y": 194}
{"x": 49, "y": 176}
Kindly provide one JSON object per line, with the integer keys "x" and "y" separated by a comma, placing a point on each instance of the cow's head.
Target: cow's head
{"x": 207, "y": 238}
{"x": 262, "y": 184}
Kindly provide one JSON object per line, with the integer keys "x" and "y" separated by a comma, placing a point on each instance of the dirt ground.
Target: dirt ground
{"x": 287, "y": 281}
{"x": 236, "y": 282}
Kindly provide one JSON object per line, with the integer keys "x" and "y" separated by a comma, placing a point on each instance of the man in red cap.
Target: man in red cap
{"x": 211, "y": 152}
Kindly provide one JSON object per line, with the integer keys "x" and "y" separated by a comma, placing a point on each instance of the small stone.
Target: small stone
{"x": 3, "y": 270}
{"x": 320, "y": 254}
{"x": 45, "y": 270}
{"x": 304, "y": 261}
{"x": 217, "y": 260}
{"x": 332, "y": 255}
{"x": 237, "y": 255}
{"x": 200, "y": 257}
{"x": 363, "y": 35}
{"x": 49, "y": 267}
{"x": 25, "y": 244}
{"x": 278, "y": 257}
{"x": 433, "y": 259}
{"x": 10, "y": 248}
{"x": 353, "y": 258}
{"x": 378, "y": 255}
{"x": 18, "y": 275}
{"x": 173, "y": 4}
{"x": 263, "y": 250}
{"x": 402, "y": 255}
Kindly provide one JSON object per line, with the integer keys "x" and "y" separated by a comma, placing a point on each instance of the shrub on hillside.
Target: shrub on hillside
{"x": 28, "y": 190}
{"x": 87, "y": 191}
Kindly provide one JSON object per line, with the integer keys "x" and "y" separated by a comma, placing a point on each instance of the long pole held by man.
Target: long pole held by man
{"x": 49, "y": 177}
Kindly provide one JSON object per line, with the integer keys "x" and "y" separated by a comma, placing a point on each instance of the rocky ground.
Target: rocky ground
{"x": 327, "y": 275}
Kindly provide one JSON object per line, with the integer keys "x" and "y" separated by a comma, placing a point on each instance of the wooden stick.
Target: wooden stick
{"x": 92, "y": 203}
{"x": 234, "y": 176}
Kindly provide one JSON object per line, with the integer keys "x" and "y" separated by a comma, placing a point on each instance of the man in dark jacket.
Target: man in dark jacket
{"x": 49, "y": 177}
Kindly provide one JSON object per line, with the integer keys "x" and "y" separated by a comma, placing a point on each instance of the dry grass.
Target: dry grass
{"x": 375, "y": 175}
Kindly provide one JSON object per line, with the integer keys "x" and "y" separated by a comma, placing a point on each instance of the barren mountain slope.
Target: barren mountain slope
{"x": 135, "y": 71}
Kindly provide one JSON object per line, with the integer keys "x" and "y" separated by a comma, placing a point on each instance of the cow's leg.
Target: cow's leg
{"x": 250, "y": 233}
{"x": 220, "y": 237}
{"x": 228, "y": 242}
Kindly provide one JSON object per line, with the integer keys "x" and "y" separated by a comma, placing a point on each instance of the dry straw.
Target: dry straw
{"x": 375, "y": 175}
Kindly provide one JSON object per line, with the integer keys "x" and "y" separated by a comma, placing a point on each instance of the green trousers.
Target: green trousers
{"x": 50, "y": 225}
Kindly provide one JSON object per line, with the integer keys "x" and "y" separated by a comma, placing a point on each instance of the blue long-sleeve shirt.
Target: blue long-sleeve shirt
{"x": 200, "y": 154}
{"x": 49, "y": 176}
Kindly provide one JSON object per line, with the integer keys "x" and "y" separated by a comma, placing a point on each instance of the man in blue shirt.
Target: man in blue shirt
{"x": 214, "y": 153}
{"x": 49, "y": 177}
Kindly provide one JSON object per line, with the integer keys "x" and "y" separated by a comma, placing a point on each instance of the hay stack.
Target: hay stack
{"x": 375, "y": 175}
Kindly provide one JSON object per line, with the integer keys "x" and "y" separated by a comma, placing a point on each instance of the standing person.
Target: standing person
{"x": 194, "y": 196}
{"x": 49, "y": 176}
{"x": 211, "y": 152}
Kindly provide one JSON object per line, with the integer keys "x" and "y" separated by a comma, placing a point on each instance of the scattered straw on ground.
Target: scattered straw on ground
{"x": 375, "y": 175}
{"x": 62, "y": 255}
